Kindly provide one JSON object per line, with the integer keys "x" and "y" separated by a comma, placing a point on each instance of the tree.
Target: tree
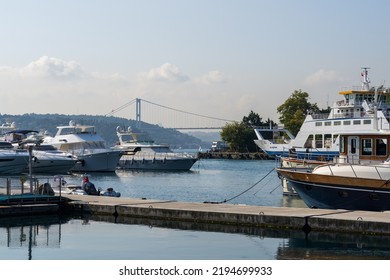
{"x": 254, "y": 120}
{"x": 294, "y": 110}
{"x": 239, "y": 137}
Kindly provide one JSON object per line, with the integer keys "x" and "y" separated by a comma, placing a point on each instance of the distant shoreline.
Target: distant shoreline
{"x": 234, "y": 155}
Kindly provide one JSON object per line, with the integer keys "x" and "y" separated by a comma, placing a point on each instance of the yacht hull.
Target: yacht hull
{"x": 55, "y": 166}
{"x": 11, "y": 164}
{"x": 130, "y": 163}
{"x": 97, "y": 162}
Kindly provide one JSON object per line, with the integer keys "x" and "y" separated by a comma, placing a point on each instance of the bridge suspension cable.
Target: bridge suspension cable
{"x": 181, "y": 118}
{"x": 114, "y": 111}
{"x": 189, "y": 113}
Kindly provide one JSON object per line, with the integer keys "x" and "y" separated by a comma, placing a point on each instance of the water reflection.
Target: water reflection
{"x": 28, "y": 232}
{"x": 294, "y": 244}
{"x": 35, "y": 234}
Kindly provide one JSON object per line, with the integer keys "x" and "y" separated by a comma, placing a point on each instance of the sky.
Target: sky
{"x": 219, "y": 58}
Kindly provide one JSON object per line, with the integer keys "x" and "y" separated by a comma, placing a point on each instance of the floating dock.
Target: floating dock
{"x": 320, "y": 220}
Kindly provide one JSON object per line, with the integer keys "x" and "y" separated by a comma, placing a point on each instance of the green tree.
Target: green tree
{"x": 254, "y": 120}
{"x": 239, "y": 137}
{"x": 294, "y": 110}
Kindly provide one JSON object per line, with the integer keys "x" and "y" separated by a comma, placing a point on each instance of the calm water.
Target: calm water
{"x": 92, "y": 237}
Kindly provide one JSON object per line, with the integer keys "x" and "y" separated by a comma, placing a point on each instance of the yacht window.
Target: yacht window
{"x": 347, "y": 122}
{"x": 328, "y": 123}
{"x": 366, "y": 121}
{"x": 356, "y": 122}
{"x": 366, "y": 147}
{"x": 318, "y": 123}
{"x": 380, "y": 147}
{"x": 337, "y": 123}
{"x": 353, "y": 145}
{"x": 342, "y": 144}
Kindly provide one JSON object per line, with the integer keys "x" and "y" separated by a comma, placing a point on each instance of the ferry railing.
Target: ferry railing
{"x": 307, "y": 154}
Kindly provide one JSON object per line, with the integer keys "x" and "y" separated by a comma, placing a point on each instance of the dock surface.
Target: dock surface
{"x": 306, "y": 219}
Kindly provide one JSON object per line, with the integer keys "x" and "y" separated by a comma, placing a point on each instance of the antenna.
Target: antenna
{"x": 366, "y": 81}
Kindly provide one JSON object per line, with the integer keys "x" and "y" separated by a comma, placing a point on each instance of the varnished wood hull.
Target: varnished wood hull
{"x": 338, "y": 192}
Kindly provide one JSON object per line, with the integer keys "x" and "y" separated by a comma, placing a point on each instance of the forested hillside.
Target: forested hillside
{"x": 105, "y": 126}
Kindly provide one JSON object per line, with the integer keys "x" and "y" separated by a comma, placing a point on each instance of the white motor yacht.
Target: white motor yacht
{"x": 141, "y": 153}
{"x": 12, "y": 161}
{"x": 48, "y": 159}
{"x": 87, "y": 146}
{"x": 44, "y": 158}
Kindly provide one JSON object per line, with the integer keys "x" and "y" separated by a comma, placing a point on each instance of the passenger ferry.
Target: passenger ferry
{"x": 363, "y": 109}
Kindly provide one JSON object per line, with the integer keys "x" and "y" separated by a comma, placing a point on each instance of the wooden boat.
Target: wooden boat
{"x": 359, "y": 188}
{"x": 359, "y": 180}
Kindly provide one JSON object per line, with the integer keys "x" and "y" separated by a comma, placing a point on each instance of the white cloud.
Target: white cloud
{"x": 53, "y": 85}
{"x": 51, "y": 67}
{"x": 166, "y": 72}
{"x": 322, "y": 77}
{"x": 211, "y": 77}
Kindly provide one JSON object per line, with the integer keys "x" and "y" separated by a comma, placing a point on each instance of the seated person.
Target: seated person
{"x": 89, "y": 187}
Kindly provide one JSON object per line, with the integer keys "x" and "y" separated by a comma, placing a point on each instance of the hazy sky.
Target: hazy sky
{"x": 220, "y": 58}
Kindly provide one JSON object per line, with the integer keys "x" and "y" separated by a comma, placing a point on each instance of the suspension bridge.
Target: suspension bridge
{"x": 168, "y": 117}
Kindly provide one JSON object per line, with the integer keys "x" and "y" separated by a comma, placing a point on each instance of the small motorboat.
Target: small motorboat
{"x": 86, "y": 188}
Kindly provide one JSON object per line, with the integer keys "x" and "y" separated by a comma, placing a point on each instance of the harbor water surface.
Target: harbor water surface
{"x": 217, "y": 181}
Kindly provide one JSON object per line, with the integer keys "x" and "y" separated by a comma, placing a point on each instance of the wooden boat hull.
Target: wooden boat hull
{"x": 338, "y": 192}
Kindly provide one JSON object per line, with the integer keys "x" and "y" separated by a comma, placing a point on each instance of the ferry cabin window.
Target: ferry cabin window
{"x": 328, "y": 123}
{"x": 347, "y": 122}
{"x": 336, "y": 123}
{"x": 366, "y": 121}
{"x": 335, "y": 137}
{"x": 356, "y": 122}
{"x": 318, "y": 138}
{"x": 380, "y": 147}
{"x": 309, "y": 142}
{"x": 328, "y": 140}
{"x": 318, "y": 123}
{"x": 366, "y": 147}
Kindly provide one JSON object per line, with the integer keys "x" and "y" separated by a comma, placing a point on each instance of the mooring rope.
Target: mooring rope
{"x": 251, "y": 187}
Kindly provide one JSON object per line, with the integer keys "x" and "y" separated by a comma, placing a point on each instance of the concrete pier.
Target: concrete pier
{"x": 363, "y": 222}
{"x": 28, "y": 209}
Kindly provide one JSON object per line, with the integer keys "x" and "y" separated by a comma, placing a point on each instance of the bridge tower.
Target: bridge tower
{"x": 138, "y": 112}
